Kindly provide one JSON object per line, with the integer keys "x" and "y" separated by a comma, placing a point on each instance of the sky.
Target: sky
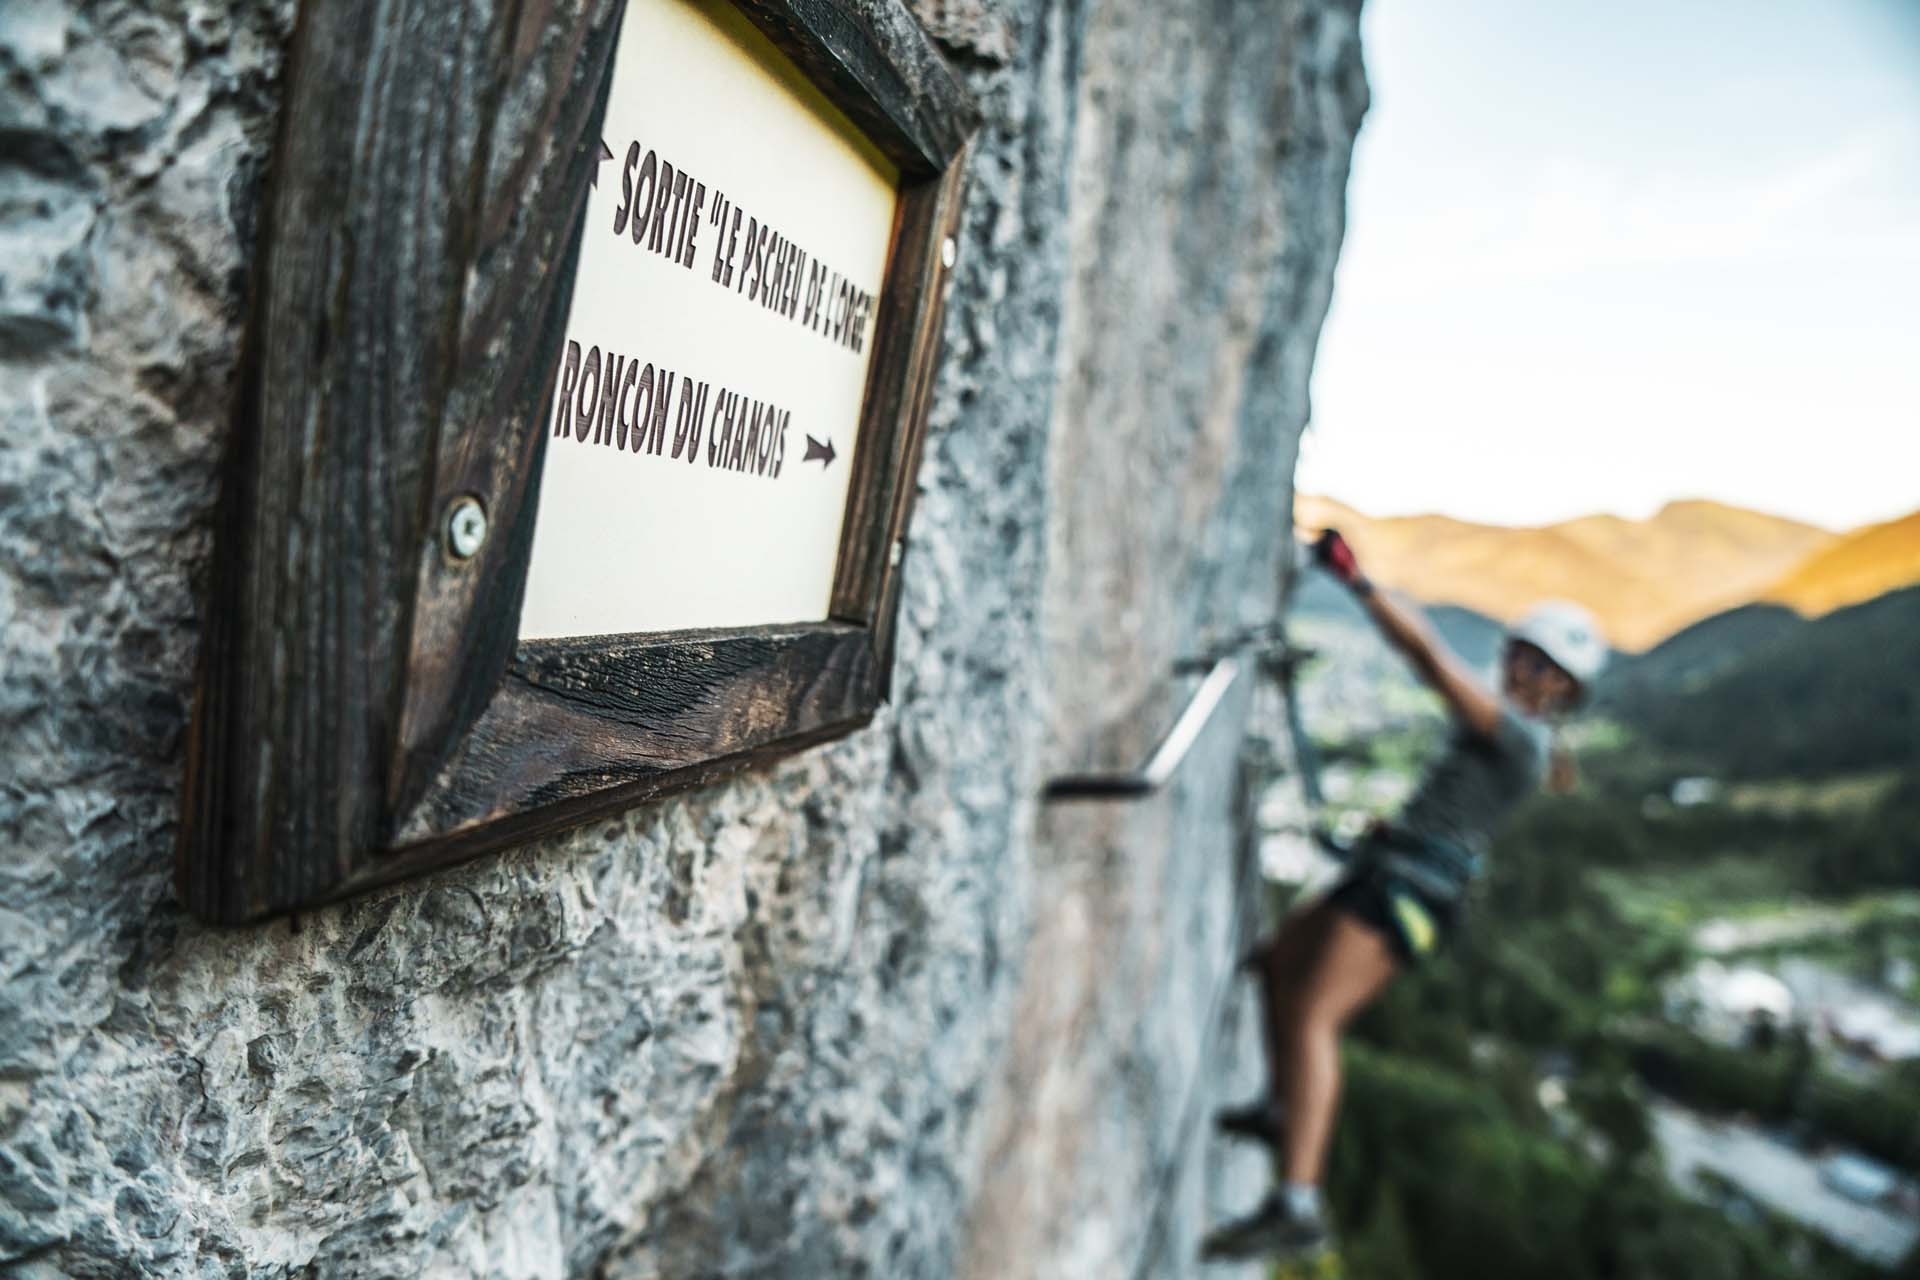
{"x": 1601, "y": 256}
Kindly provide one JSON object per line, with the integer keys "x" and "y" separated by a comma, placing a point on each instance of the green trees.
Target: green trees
{"x": 1437, "y": 1176}
{"x": 1448, "y": 1165}
{"x": 1836, "y": 694}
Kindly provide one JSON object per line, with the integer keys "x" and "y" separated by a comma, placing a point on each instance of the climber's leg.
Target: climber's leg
{"x": 1312, "y": 993}
{"x": 1280, "y": 964}
{"x": 1273, "y": 961}
{"x": 1351, "y": 965}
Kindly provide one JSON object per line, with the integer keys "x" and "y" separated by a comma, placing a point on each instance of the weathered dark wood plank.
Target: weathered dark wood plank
{"x": 878, "y": 66}
{"x": 425, "y": 181}
{"x": 907, "y": 336}
{"x": 927, "y": 327}
{"x": 528, "y": 203}
{"x": 618, "y": 718}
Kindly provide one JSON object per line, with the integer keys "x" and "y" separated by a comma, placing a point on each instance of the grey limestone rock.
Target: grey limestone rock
{"x": 872, "y": 1012}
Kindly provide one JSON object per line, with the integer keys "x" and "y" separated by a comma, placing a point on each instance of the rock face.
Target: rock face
{"x": 872, "y": 1012}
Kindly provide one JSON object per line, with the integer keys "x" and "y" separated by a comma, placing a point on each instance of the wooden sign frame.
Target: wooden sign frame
{"x": 364, "y": 709}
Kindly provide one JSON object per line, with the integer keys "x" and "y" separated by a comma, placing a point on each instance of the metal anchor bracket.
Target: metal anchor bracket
{"x": 1263, "y": 646}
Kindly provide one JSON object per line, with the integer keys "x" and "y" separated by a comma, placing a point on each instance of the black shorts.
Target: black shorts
{"x": 1413, "y": 923}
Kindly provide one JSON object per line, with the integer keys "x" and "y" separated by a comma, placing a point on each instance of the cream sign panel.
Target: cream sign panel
{"x": 709, "y": 389}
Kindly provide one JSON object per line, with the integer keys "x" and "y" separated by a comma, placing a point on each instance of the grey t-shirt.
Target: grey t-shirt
{"x": 1470, "y": 790}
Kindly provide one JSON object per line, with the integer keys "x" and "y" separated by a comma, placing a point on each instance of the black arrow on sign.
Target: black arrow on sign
{"x": 606, "y": 154}
{"x": 824, "y": 452}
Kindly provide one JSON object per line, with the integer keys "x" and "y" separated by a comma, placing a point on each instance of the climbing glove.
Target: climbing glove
{"x": 1334, "y": 554}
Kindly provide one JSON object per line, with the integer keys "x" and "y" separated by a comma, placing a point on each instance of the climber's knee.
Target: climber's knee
{"x": 1289, "y": 951}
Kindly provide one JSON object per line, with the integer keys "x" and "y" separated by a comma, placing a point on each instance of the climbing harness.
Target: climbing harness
{"x": 1438, "y": 869}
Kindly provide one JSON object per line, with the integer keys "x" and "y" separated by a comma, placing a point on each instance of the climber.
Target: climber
{"x": 1401, "y": 892}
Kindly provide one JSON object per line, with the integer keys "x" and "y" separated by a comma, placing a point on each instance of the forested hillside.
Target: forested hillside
{"x": 1757, "y": 694}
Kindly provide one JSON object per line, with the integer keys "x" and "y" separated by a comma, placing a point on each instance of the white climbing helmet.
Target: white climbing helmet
{"x": 1566, "y": 633}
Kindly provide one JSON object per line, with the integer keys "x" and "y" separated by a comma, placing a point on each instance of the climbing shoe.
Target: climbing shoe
{"x": 1255, "y": 1122}
{"x": 1272, "y": 1231}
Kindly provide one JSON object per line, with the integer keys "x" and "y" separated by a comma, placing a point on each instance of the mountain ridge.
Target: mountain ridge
{"x": 1645, "y": 579}
{"x": 1867, "y": 562}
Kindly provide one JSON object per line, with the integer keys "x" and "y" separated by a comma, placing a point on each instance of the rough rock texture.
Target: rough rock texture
{"x": 871, "y": 1012}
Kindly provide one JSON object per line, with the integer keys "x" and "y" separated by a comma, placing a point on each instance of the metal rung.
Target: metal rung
{"x": 1166, "y": 757}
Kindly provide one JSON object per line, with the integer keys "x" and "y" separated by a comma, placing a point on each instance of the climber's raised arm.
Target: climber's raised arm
{"x": 1471, "y": 702}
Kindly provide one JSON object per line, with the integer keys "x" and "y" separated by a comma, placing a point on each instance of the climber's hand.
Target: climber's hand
{"x": 1335, "y": 554}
